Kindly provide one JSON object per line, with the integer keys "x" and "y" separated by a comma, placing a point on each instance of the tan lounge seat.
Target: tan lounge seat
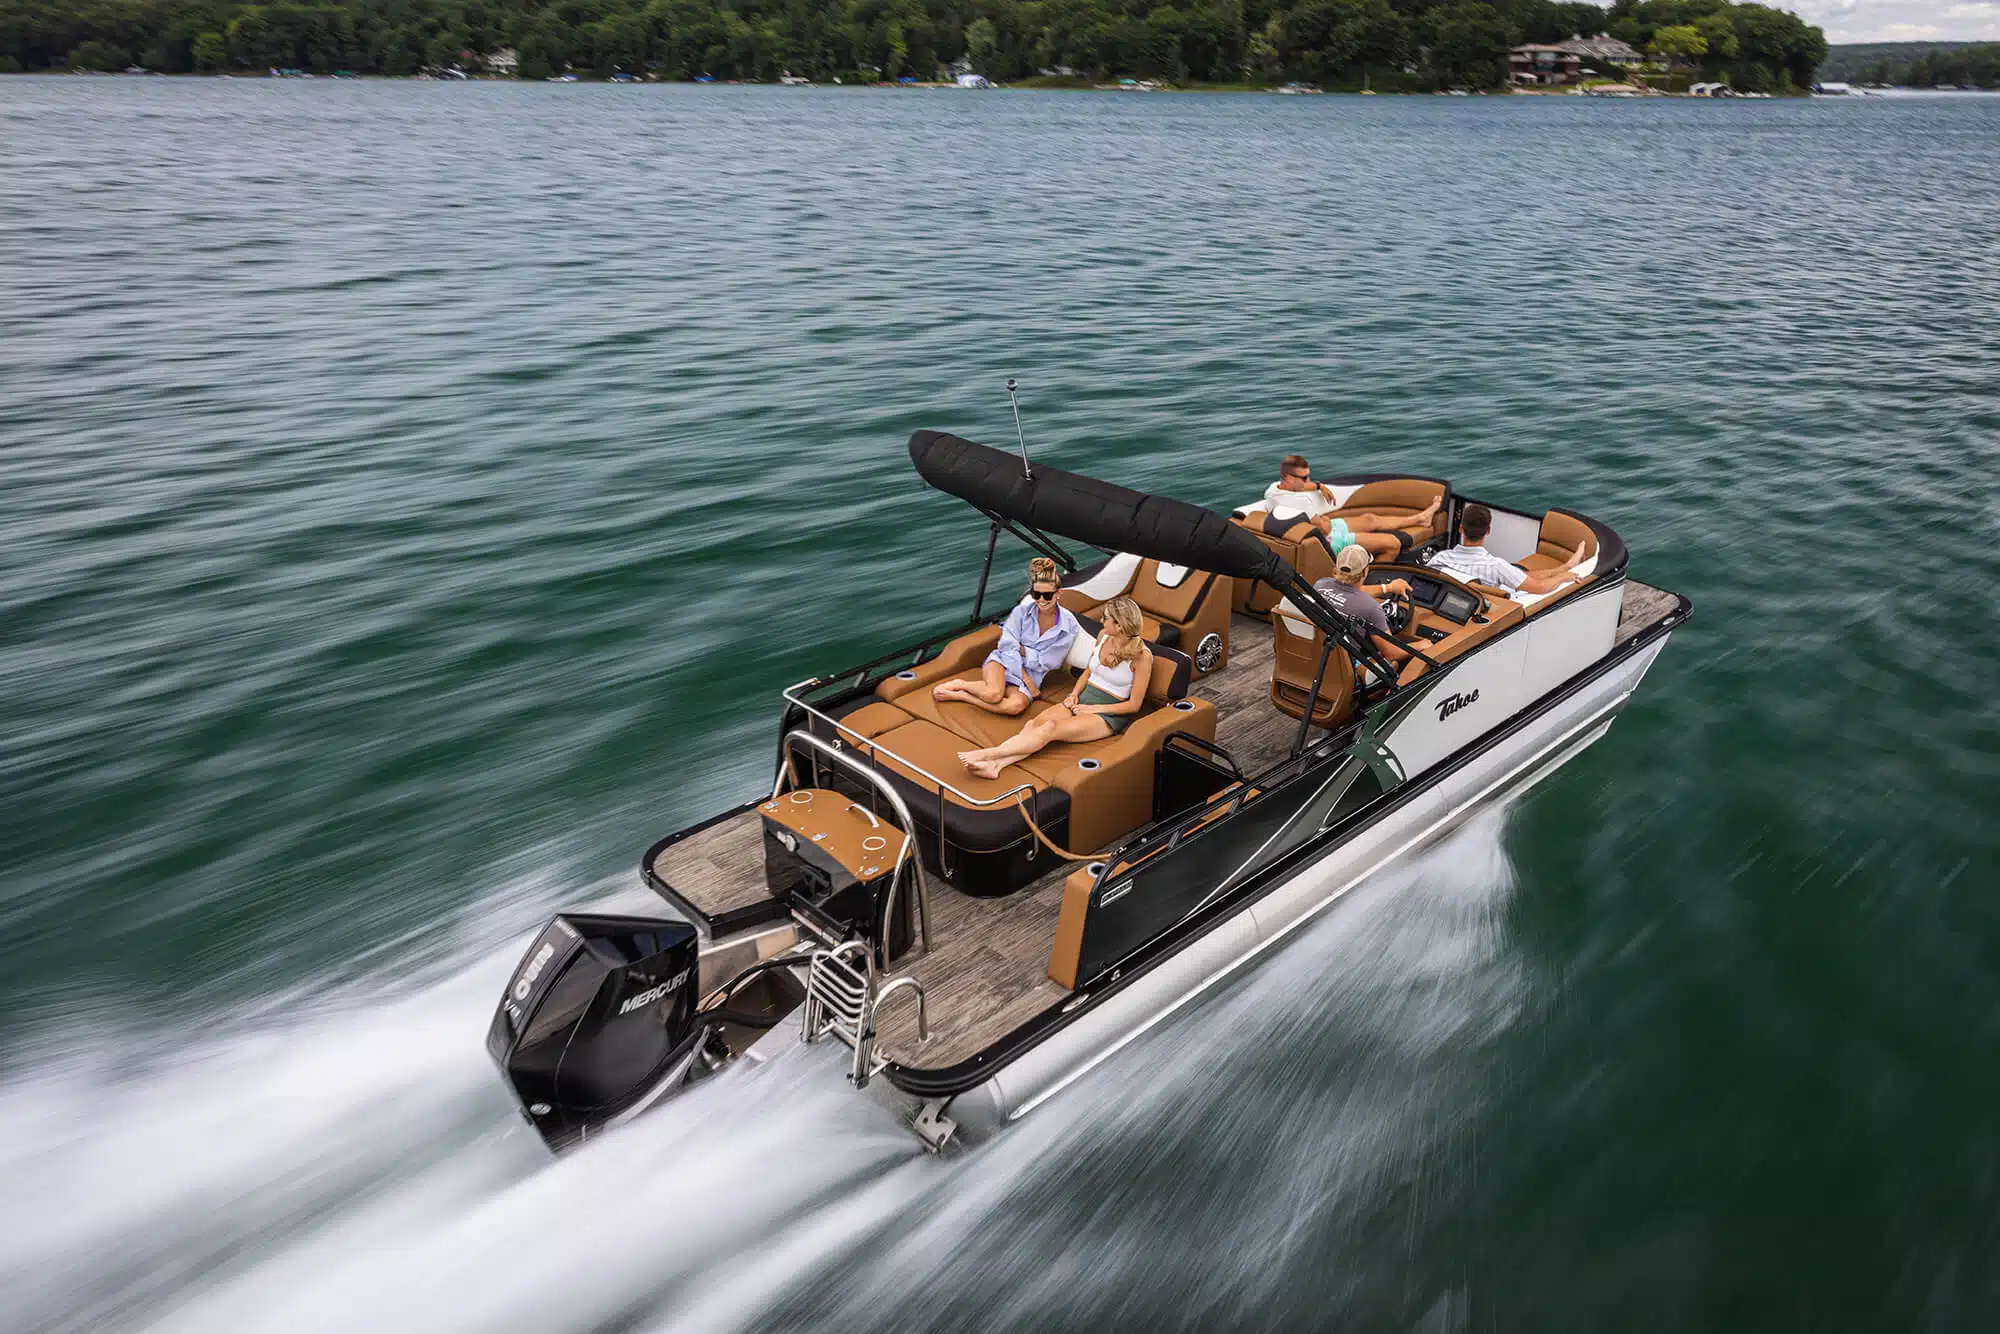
{"x": 1297, "y": 540}
{"x": 1182, "y": 607}
{"x": 1562, "y": 535}
{"x": 1083, "y": 795}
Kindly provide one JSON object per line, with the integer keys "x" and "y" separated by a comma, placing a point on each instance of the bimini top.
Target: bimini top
{"x": 1114, "y": 518}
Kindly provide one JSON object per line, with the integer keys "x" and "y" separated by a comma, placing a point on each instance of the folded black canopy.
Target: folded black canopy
{"x": 1115, "y": 518}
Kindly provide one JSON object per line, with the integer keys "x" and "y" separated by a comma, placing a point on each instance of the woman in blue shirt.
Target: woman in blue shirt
{"x": 1034, "y": 641}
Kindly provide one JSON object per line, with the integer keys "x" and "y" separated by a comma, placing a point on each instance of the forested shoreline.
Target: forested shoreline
{"x": 1962, "y": 67}
{"x": 1394, "y": 44}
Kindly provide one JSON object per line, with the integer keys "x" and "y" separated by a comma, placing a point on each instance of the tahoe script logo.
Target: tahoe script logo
{"x": 1451, "y": 704}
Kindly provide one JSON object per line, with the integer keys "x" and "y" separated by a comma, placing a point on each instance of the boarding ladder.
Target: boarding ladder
{"x": 844, "y": 996}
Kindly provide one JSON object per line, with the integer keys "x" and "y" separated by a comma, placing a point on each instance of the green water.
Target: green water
{"x": 414, "y": 496}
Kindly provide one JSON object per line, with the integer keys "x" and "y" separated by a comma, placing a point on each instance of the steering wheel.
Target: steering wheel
{"x": 1402, "y": 612}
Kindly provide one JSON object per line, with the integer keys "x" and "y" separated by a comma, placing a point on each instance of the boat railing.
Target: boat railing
{"x": 911, "y": 654}
{"x": 870, "y": 745}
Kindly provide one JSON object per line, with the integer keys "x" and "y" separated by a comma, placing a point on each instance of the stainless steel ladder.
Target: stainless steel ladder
{"x": 844, "y": 1000}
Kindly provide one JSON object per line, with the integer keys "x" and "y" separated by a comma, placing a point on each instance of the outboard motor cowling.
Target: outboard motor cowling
{"x": 599, "y": 1012}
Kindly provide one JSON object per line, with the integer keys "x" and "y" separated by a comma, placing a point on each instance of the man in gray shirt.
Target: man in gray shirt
{"x": 1347, "y": 593}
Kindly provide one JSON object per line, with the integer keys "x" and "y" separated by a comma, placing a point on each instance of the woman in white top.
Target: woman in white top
{"x": 1106, "y": 698}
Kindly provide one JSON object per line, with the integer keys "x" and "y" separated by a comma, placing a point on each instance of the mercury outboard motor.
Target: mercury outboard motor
{"x": 600, "y": 1011}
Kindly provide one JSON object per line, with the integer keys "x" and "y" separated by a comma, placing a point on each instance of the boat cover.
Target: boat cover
{"x": 1114, "y": 518}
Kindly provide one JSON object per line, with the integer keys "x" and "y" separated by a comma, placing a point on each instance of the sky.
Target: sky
{"x": 1901, "y": 20}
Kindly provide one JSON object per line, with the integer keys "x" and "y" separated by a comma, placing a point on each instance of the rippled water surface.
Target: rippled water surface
{"x": 414, "y": 494}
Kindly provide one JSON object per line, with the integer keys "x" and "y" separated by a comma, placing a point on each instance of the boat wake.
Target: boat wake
{"x": 359, "y": 1166}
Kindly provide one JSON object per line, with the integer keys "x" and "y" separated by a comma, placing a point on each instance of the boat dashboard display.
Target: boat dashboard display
{"x": 1432, "y": 593}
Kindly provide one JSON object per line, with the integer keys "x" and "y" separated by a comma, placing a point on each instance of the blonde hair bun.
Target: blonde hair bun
{"x": 1042, "y": 570}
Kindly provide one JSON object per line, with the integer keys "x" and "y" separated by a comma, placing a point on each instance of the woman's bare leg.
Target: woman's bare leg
{"x": 990, "y": 692}
{"x": 1036, "y": 735}
{"x": 1024, "y": 742}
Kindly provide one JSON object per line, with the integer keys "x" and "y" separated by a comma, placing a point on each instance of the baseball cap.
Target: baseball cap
{"x": 1351, "y": 560}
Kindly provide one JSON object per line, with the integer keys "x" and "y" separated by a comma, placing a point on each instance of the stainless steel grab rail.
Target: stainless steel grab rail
{"x": 907, "y": 853}
{"x": 963, "y": 797}
{"x": 866, "y": 1061}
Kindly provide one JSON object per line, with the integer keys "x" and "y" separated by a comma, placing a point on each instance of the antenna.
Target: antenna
{"x": 1026, "y": 470}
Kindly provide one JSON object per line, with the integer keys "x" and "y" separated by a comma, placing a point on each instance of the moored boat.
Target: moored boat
{"x": 960, "y": 947}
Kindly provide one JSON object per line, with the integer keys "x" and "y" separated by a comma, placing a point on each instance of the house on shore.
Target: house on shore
{"x": 504, "y": 61}
{"x": 1603, "y": 50}
{"x": 1537, "y": 66}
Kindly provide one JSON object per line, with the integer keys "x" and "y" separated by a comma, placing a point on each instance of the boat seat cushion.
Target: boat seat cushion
{"x": 1395, "y": 498}
{"x": 1297, "y": 540}
{"x": 928, "y": 746}
{"x": 1562, "y": 535}
{"x": 960, "y": 657}
{"x": 1110, "y": 782}
{"x": 866, "y": 717}
{"x": 1102, "y": 800}
{"x": 975, "y": 725}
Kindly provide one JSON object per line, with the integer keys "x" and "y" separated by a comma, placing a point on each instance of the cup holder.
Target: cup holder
{"x": 1184, "y": 706}
{"x": 1087, "y": 765}
{"x": 906, "y": 676}
{"x": 1096, "y": 870}
{"x": 874, "y": 843}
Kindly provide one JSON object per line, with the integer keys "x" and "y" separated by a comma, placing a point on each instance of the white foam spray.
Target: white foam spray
{"x": 356, "y": 1163}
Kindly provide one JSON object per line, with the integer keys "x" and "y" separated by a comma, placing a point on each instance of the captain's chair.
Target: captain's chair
{"x": 1295, "y": 538}
{"x": 1298, "y": 644}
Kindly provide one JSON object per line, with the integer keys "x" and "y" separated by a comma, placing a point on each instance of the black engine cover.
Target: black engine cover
{"x": 598, "y": 1010}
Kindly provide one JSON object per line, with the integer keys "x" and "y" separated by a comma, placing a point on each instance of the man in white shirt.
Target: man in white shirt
{"x": 1295, "y": 492}
{"x": 1471, "y": 560}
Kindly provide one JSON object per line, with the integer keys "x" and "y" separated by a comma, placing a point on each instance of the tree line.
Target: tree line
{"x": 1852, "y": 61}
{"x": 1961, "y": 67}
{"x": 1397, "y": 44}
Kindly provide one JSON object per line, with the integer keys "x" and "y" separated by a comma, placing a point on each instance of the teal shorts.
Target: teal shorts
{"x": 1117, "y": 721}
{"x": 1337, "y": 535}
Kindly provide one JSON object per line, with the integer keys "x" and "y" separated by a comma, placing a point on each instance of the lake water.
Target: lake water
{"x": 414, "y": 495}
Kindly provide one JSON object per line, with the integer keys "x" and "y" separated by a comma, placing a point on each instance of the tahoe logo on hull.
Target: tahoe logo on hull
{"x": 1451, "y": 704}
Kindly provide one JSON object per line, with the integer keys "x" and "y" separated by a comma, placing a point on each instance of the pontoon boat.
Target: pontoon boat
{"x": 963, "y": 948}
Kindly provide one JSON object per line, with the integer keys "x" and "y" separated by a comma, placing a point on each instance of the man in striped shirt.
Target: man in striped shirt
{"x": 1471, "y": 560}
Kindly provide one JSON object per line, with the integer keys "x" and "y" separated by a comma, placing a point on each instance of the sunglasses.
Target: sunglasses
{"x": 1040, "y": 596}
{"x": 1304, "y": 476}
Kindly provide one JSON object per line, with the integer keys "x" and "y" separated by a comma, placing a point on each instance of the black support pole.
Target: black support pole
{"x": 985, "y": 573}
{"x": 1312, "y": 700}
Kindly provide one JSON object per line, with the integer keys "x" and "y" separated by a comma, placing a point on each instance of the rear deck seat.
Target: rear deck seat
{"x": 1561, "y": 536}
{"x": 1182, "y": 607}
{"x": 1082, "y": 795}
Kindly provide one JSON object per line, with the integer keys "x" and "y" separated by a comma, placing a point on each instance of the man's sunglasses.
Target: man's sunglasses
{"x": 1040, "y": 596}
{"x": 1304, "y": 476}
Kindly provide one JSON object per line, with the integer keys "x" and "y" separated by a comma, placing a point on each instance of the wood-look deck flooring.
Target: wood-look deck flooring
{"x": 719, "y": 869}
{"x": 1643, "y": 605}
{"x": 1255, "y": 734}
